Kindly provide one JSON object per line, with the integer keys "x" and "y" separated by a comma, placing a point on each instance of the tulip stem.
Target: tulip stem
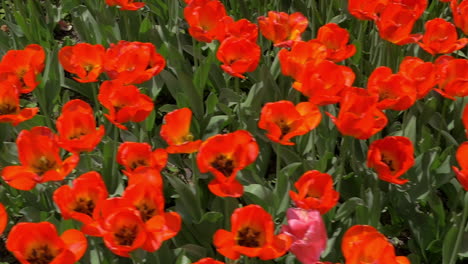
{"x": 461, "y": 228}
{"x": 278, "y": 159}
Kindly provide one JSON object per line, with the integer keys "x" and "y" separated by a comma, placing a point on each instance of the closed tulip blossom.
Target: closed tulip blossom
{"x": 77, "y": 127}
{"x": 460, "y": 14}
{"x": 283, "y": 120}
{"x": 309, "y": 236}
{"x": 205, "y": 19}
{"x": 176, "y": 132}
{"x": 462, "y": 159}
{"x": 315, "y": 192}
{"x": 126, "y": 4}
{"x": 336, "y": 38}
{"x": 441, "y": 37}
{"x": 359, "y": 115}
{"x": 238, "y": 56}
{"x": 252, "y": 235}
{"x": 38, "y": 243}
{"x": 391, "y": 157}
{"x": 283, "y": 29}
{"x": 396, "y": 23}
{"x": 125, "y": 103}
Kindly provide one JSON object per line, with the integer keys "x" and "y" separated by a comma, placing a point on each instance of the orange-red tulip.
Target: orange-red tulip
{"x": 206, "y": 19}
{"x": 335, "y": 38}
{"x": 10, "y": 111}
{"x": 283, "y": 120}
{"x": 224, "y": 156}
{"x": 133, "y": 155}
{"x": 3, "y": 218}
{"x": 283, "y": 29}
{"x": 416, "y": 6}
{"x": 133, "y": 62}
{"x": 26, "y": 64}
{"x": 441, "y": 37}
{"x": 364, "y": 244}
{"x": 460, "y": 14}
{"x": 365, "y": 9}
{"x": 359, "y": 115}
{"x": 391, "y": 157}
{"x": 238, "y": 55}
{"x": 324, "y": 83}
{"x": 252, "y": 235}
{"x": 76, "y": 127}
{"x": 462, "y": 159}
{"x": 176, "y": 132}
{"x": 452, "y": 76}
{"x": 396, "y": 23}
{"x": 208, "y": 261}
{"x": 80, "y": 201}
{"x": 465, "y": 119}
{"x": 301, "y": 56}
{"x": 126, "y": 4}
{"x": 423, "y": 75}
{"x": 315, "y": 191}
{"x": 39, "y": 155}
{"x": 395, "y": 91}
{"x": 124, "y": 103}
{"x": 40, "y": 243}
{"x": 242, "y": 28}
{"x": 84, "y": 60}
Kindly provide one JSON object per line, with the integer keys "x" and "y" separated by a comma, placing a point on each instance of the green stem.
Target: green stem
{"x": 278, "y": 159}
{"x": 461, "y": 228}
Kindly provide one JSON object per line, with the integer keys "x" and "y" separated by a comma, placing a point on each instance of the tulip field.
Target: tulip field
{"x": 233, "y": 131}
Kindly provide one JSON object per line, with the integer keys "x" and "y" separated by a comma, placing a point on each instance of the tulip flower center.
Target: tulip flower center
{"x": 146, "y": 211}
{"x": 84, "y": 206}
{"x": 223, "y": 165}
{"x": 126, "y": 235}
{"x": 188, "y": 137}
{"x": 88, "y": 68}
{"x": 389, "y": 162}
{"x": 138, "y": 163}
{"x": 41, "y": 255}
{"x": 7, "y": 109}
{"x": 248, "y": 237}
{"x": 77, "y": 134}
{"x": 284, "y": 127}
{"x": 43, "y": 164}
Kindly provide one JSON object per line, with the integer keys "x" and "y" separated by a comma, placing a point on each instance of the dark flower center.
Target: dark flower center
{"x": 137, "y": 163}
{"x": 389, "y": 163}
{"x": 284, "y": 127}
{"x": 146, "y": 211}
{"x": 43, "y": 164}
{"x": 248, "y": 237}
{"x": 223, "y": 165}
{"x": 85, "y": 206}
{"x": 126, "y": 235}
{"x": 7, "y": 109}
{"x": 41, "y": 255}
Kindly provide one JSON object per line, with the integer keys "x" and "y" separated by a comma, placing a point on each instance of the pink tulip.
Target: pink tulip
{"x": 307, "y": 229}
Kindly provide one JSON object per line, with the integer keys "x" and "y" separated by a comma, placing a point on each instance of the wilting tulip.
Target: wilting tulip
{"x": 125, "y": 4}
{"x": 335, "y": 38}
{"x": 205, "y": 19}
{"x": 315, "y": 192}
{"x": 252, "y": 234}
{"x": 26, "y": 64}
{"x": 124, "y": 103}
{"x": 238, "y": 56}
{"x": 283, "y": 29}
{"x": 176, "y": 132}
{"x": 283, "y": 120}
{"x": 441, "y": 37}
{"x": 40, "y": 243}
{"x": 391, "y": 157}
{"x": 462, "y": 159}
{"x": 39, "y": 155}
{"x": 224, "y": 156}
{"x": 309, "y": 236}
{"x": 76, "y": 127}
{"x": 84, "y": 60}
